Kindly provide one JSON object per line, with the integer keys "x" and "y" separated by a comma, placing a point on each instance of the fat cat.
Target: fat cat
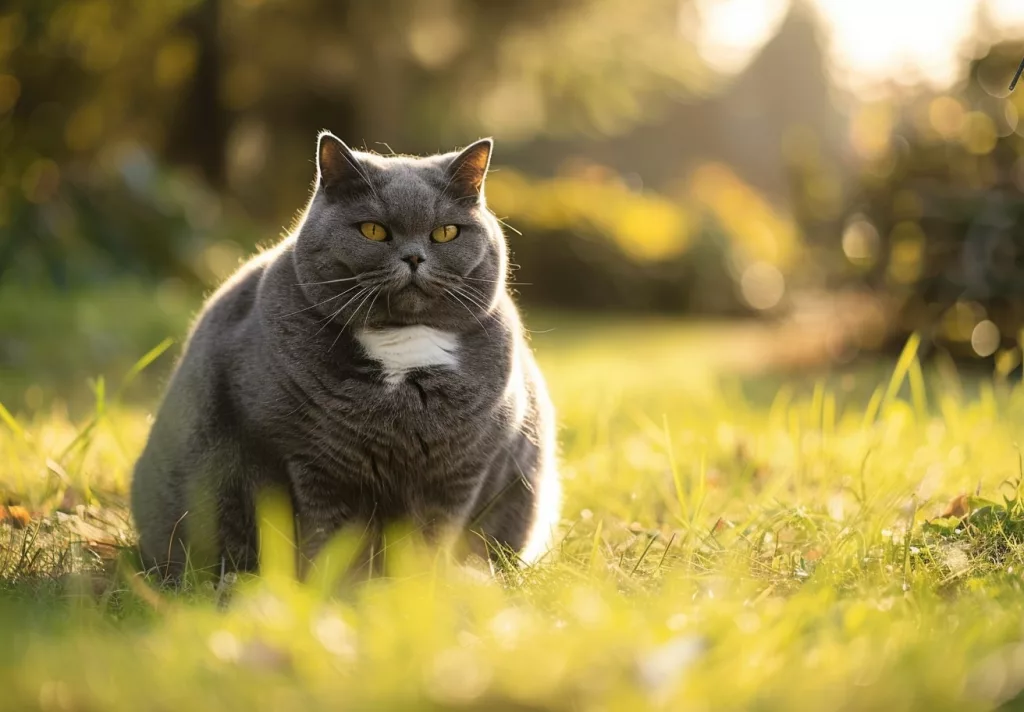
{"x": 372, "y": 365}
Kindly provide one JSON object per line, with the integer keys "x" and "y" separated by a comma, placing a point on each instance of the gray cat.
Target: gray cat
{"x": 372, "y": 365}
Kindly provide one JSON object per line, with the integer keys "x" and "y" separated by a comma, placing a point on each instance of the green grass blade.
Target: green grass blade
{"x": 874, "y": 405}
{"x": 276, "y": 536}
{"x": 917, "y": 390}
{"x": 595, "y": 549}
{"x": 899, "y": 374}
{"x": 674, "y": 468}
{"x": 12, "y": 423}
{"x": 142, "y": 364}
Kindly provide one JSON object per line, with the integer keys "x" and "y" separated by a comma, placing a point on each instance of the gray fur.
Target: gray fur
{"x": 276, "y": 389}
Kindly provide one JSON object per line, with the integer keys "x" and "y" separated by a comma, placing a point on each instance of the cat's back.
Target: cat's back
{"x": 222, "y": 339}
{"x": 231, "y": 312}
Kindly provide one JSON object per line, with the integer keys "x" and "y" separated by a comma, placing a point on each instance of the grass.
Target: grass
{"x": 725, "y": 545}
{"x": 50, "y": 344}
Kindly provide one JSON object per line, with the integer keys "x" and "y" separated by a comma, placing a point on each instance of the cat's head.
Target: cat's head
{"x": 395, "y": 240}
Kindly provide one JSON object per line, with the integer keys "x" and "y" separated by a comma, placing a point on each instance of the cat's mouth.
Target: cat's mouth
{"x": 410, "y": 296}
{"x": 416, "y": 284}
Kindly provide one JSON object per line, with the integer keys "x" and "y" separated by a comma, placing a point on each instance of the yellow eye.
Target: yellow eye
{"x": 373, "y": 231}
{"x": 445, "y": 233}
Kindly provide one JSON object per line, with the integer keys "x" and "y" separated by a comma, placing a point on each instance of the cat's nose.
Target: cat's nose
{"x": 413, "y": 260}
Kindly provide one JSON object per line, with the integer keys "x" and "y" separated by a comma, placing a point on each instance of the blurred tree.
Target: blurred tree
{"x": 425, "y": 75}
{"x": 936, "y": 219}
{"x": 94, "y": 91}
{"x": 80, "y": 84}
{"x": 199, "y": 124}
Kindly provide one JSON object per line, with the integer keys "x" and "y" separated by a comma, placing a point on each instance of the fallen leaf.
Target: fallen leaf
{"x": 958, "y": 507}
{"x": 17, "y": 516}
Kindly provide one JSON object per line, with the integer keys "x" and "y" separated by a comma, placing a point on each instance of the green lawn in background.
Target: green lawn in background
{"x": 729, "y": 543}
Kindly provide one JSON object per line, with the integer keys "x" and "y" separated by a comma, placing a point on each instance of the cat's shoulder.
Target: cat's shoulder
{"x": 236, "y": 299}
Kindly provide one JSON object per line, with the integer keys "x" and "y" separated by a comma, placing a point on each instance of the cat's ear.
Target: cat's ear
{"x": 467, "y": 170}
{"x": 338, "y": 169}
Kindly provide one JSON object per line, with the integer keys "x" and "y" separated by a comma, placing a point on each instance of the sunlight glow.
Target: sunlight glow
{"x": 869, "y": 42}
{"x": 732, "y": 31}
{"x": 910, "y": 41}
{"x": 1007, "y": 15}
{"x": 905, "y": 40}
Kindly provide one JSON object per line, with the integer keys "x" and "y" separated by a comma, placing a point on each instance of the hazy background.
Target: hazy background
{"x": 842, "y": 172}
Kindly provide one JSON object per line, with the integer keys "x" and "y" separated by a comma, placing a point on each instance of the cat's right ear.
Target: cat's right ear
{"x": 338, "y": 169}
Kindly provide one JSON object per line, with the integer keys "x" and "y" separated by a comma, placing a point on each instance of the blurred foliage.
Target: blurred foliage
{"x": 53, "y": 349}
{"x": 631, "y": 249}
{"x": 935, "y": 211}
{"x": 116, "y": 117}
{"x": 88, "y": 91}
{"x": 153, "y": 141}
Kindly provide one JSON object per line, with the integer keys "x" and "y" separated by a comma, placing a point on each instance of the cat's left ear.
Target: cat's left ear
{"x": 468, "y": 170}
{"x": 338, "y": 169}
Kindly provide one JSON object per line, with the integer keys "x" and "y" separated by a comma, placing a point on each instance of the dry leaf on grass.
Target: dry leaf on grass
{"x": 958, "y": 507}
{"x": 19, "y": 517}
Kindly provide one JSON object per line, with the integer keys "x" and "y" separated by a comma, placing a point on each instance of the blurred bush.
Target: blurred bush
{"x": 139, "y": 134}
{"x": 165, "y": 140}
{"x": 139, "y": 219}
{"x": 116, "y": 118}
{"x": 935, "y": 217}
{"x": 589, "y": 240}
{"x": 52, "y": 346}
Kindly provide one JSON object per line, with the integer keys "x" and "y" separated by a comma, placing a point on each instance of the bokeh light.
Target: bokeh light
{"x": 985, "y": 338}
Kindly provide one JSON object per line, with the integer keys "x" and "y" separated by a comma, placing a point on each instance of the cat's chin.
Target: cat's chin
{"x": 408, "y": 304}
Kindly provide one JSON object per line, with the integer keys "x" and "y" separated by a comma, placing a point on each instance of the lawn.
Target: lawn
{"x": 733, "y": 539}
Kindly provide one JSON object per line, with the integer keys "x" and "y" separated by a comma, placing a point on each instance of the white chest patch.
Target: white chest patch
{"x": 403, "y": 348}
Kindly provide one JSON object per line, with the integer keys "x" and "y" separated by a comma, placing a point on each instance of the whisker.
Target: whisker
{"x": 470, "y": 313}
{"x": 459, "y": 277}
{"x": 508, "y": 226}
{"x": 329, "y": 281}
{"x": 465, "y": 289}
{"x": 318, "y": 304}
{"x": 473, "y": 300}
{"x": 333, "y": 316}
{"x": 351, "y": 316}
{"x": 479, "y": 293}
{"x": 455, "y": 281}
{"x": 362, "y": 275}
{"x": 495, "y": 281}
{"x": 369, "y": 309}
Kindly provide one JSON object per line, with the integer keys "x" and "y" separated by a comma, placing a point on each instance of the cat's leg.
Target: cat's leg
{"x": 199, "y": 516}
{"x": 236, "y": 525}
{"x": 234, "y": 473}
{"x": 160, "y": 520}
{"x": 322, "y": 507}
{"x": 519, "y": 509}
